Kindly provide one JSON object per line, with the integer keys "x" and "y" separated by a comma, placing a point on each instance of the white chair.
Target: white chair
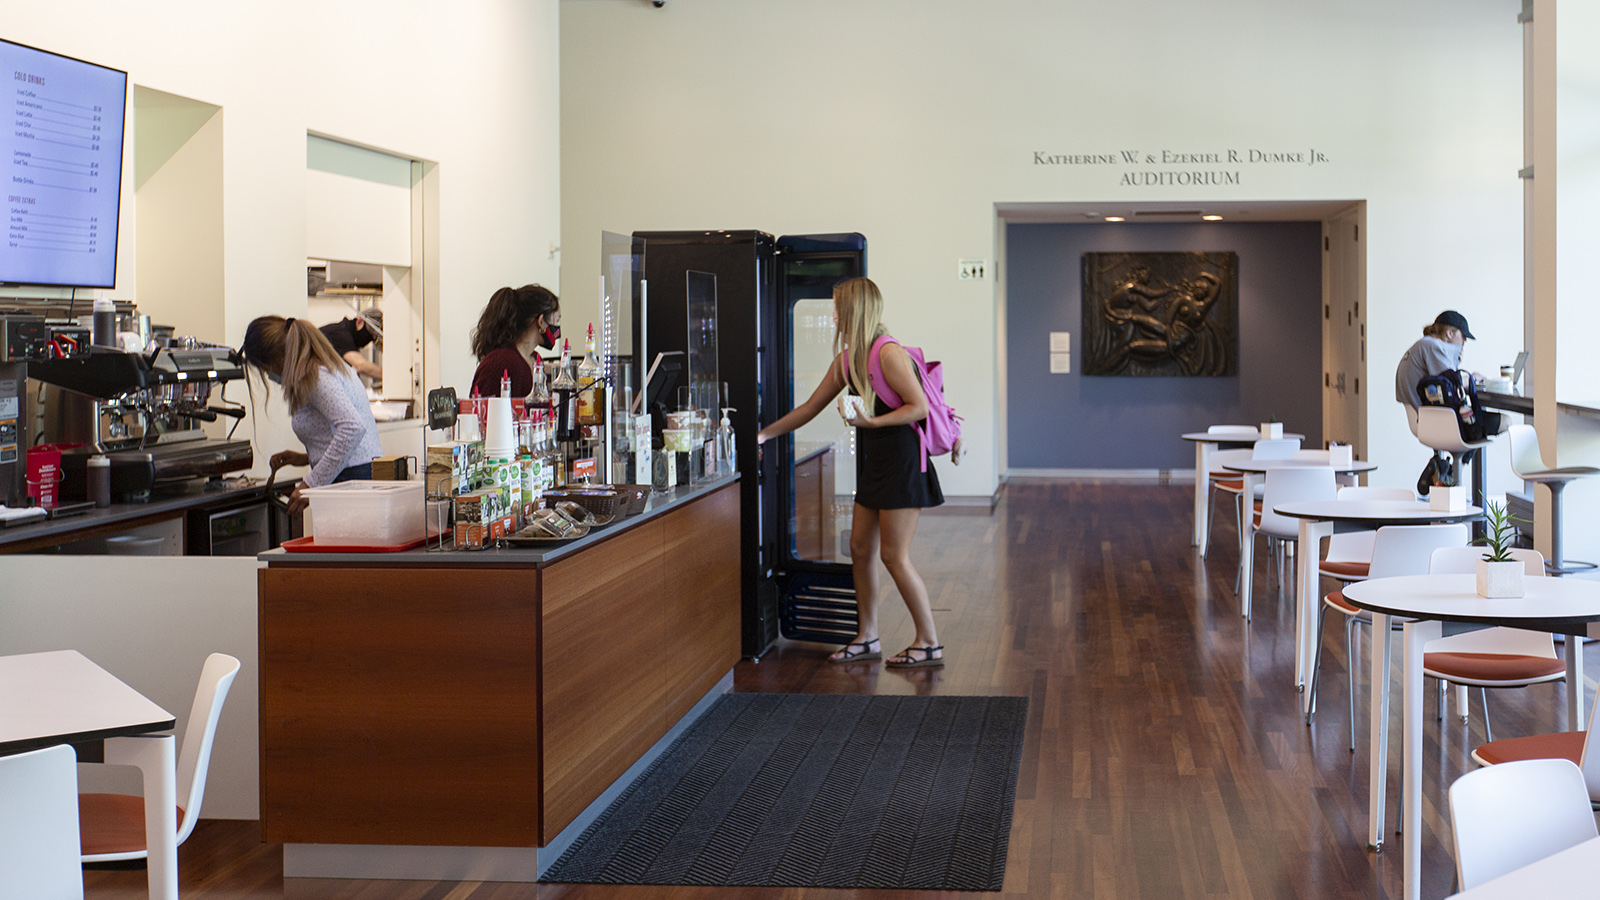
{"x": 1491, "y": 657}
{"x": 39, "y": 825}
{"x": 1581, "y": 748}
{"x": 1350, "y": 552}
{"x": 1396, "y": 550}
{"x": 1440, "y": 428}
{"x": 1227, "y": 482}
{"x": 112, "y": 825}
{"x": 1233, "y": 482}
{"x": 1289, "y": 484}
{"x": 1276, "y": 448}
{"x": 1508, "y": 816}
{"x": 1528, "y": 463}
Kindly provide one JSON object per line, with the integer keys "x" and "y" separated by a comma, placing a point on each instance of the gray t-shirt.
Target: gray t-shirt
{"x": 1429, "y": 356}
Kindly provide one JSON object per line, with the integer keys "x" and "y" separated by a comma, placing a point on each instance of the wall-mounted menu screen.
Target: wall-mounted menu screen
{"x": 61, "y": 149}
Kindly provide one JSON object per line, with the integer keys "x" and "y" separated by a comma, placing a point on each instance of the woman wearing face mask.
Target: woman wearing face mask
{"x": 515, "y": 323}
{"x": 892, "y": 488}
{"x": 328, "y": 405}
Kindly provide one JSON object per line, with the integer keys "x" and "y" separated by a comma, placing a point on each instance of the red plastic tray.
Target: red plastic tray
{"x": 309, "y": 545}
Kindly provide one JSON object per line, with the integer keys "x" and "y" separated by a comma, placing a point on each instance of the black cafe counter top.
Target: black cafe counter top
{"x": 506, "y": 557}
{"x": 166, "y": 502}
{"x": 1518, "y": 403}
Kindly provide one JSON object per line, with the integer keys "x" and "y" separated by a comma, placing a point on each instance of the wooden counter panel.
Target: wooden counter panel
{"x": 602, "y": 649}
{"x": 702, "y": 614}
{"x": 635, "y": 632}
{"x": 399, "y": 706}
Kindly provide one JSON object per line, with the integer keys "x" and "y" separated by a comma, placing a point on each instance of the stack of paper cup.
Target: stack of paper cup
{"x": 500, "y": 432}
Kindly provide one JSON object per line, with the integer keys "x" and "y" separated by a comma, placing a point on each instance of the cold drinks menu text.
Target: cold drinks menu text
{"x": 63, "y": 158}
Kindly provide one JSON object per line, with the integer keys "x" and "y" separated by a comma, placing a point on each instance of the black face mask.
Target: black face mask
{"x": 549, "y": 336}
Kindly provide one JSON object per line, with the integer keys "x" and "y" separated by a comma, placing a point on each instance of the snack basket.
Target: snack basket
{"x": 631, "y": 498}
{"x": 604, "y": 500}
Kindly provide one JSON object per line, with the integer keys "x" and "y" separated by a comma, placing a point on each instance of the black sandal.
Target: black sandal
{"x": 911, "y": 662}
{"x": 867, "y": 652}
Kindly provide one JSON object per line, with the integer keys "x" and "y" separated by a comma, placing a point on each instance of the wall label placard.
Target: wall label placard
{"x": 1145, "y": 168}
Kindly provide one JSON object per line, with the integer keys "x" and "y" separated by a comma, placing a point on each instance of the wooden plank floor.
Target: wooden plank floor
{"x": 1165, "y": 754}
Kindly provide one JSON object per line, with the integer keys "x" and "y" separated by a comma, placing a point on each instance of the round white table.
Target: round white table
{"x": 1255, "y": 472}
{"x": 61, "y": 696}
{"x": 1205, "y": 444}
{"x": 1564, "y": 605}
{"x": 1320, "y": 519}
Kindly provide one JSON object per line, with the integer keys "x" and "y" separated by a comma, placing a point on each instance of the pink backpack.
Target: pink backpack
{"x": 940, "y": 431}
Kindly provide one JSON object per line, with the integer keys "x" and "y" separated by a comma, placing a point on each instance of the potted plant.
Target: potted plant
{"x": 1271, "y": 429}
{"x": 1499, "y": 575}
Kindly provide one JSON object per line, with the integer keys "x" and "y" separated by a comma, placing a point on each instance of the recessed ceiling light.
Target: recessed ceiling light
{"x": 1212, "y": 218}
{"x": 1115, "y": 219}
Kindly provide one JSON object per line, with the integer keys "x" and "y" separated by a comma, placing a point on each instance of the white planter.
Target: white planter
{"x": 1271, "y": 431}
{"x": 1447, "y": 499}
{"x": 1499, "y": 579}
{"x": 1341, "y": 456}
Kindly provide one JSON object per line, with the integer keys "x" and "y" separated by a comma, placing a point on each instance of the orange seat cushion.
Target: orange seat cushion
{"x": 1492, "y": 666}
{"x": 112, "y": 823}
{"x": 1235, "y": 485}
{"x": 1337, "y": 601}
{"x": 1561, "y": 745}
{"x": 1346, "y": 569}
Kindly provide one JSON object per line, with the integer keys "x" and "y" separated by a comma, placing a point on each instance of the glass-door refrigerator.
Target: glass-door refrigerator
{"x": 774, "y": 340}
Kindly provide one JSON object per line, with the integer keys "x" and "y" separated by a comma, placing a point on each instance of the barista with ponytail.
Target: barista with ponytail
{"x": 892, "y": 488}
{"x": 514, "y": 325}
{"x": 328, "y": 407}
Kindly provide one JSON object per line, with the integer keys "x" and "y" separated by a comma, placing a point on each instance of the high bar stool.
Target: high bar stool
{"x": 1528, "y": 463}
{"x": 1438, "y": 427}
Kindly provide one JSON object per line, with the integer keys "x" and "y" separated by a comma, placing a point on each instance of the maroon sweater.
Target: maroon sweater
{"x": 497, "y": 363}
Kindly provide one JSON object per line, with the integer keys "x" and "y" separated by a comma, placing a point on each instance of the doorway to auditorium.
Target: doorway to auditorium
{"x": 1299, "y": 343}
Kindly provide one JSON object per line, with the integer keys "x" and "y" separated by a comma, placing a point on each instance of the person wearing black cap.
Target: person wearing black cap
{"x": 1438, "y": 351}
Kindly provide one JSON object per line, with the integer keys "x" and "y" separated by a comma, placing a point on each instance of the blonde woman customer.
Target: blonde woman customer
{"x": 892, "y": 487}
{"x": 328, "y": 407}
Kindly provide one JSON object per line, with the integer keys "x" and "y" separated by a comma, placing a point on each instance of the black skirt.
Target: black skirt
{"x": 889, "y": 468}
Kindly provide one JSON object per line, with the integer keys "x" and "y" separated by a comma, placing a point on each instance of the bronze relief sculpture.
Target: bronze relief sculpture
{"x": 1160, "y": 313}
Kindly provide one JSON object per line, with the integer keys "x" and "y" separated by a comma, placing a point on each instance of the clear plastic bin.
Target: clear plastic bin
{"x": 367, "y": 513}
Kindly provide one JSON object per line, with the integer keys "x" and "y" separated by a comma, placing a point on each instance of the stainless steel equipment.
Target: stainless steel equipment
{"x": 22, "y": 338}
{"x": 143, "y": 412}
{"x": 25, "y": 337}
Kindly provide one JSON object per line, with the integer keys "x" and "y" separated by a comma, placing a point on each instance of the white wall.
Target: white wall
{"x": 470, "y": 86}
{"x": 151, "y": 625}
{"x": 908, "y": 121}
{"x": 1577, "y": 298}
{"x": 177, "y": 148}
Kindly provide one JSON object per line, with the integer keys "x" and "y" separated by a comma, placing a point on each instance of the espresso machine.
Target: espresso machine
{"x": 144, "y": 411}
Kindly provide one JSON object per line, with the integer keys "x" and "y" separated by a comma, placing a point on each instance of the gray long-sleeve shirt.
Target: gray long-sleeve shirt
{"x": 1429, "y": 356}
{"x": 336, "y": 425}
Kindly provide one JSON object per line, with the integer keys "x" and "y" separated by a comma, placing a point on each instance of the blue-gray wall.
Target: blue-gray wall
{"x": 1075, "y": 422}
